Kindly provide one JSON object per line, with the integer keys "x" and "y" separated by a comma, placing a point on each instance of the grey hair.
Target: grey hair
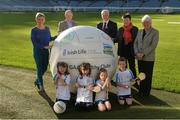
{"x": 146, "y": 18}
{"x": 39, "y": 14}
{"x": 104, "y": 11}
{"x": 67, "y": 11}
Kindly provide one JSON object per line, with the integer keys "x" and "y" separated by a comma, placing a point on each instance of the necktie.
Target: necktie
{"x": 104, "y": 27}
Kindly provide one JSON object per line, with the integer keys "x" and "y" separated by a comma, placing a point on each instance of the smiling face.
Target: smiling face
{"x": 40, "y": 20}
{"x": 68, "y": 15}
{"x": 105, "y": 15}
{"x": 146, "y": 25}
{"x": 126, "y": 21}
{"x": 146, "y": 22}
{"x": 122, "y": 65}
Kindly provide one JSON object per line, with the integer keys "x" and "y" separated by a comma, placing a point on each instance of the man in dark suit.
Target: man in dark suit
{"x": 108, "y": 26}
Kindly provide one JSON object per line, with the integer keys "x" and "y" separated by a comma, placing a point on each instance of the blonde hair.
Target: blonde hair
{"x": 39, "y": 14}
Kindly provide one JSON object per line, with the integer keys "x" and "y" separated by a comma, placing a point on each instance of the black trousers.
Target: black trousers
{"x": 147, "y": 68}
{"x": 83, "y": 106}
{"x": 41, "y": 57}
{"x": 132, "y": 67}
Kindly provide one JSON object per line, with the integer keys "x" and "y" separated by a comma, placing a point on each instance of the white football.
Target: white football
{"x": 84, "y": 44}
{"x": 59, "y": 107}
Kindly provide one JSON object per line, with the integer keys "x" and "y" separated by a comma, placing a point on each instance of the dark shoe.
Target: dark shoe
{"x": 36, "y": 85}
{"x": 39, "y": 87}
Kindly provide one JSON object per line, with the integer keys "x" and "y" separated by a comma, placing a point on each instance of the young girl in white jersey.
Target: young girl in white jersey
{"x": 122, "y": 78}
{"x": 101, "y": 97}
{"x": 84, "y": 84}
{"x": 62, "y": 80}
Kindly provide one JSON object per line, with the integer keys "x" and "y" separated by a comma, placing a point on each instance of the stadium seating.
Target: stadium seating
{"x": 121, "y": 5}
{"x": 85, "y": 3}
{"x": 132, "y": 3}
{"x": 116, "y": 3}
{"x": 172, "y": 3}
{"x": 100, "y": 3}
{"x": 73, "y": 3}
{"x": 150, "y": 3}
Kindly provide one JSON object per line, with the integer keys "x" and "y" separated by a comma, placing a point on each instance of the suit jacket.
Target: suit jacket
{"x": 63, "y": 25}
{"x": 111, "y": 28}
{"x": 147, "y": 45}
{"x": 124, "y": 50}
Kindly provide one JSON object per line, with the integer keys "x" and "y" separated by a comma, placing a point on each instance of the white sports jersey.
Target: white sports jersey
{"x": 103, "y": 94}
{"x": 63, "y": 92}
{"x": 123, "y": 77}
{"x": 84, "y": 95}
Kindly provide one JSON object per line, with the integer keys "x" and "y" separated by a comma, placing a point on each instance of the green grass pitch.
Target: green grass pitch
{"x": 16, "y": 47}
{"x": 18, "y": 96}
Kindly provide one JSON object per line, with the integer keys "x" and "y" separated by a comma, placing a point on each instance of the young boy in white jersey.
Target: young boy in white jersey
{"x": 84, "y": 84}
{"x": 122, "y": 79}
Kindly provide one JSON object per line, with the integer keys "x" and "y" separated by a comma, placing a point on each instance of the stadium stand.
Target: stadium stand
{"x": 172, "y": 3}
{"x": 116, "y": 5}
{"x": 85, "y": 3}
{"x": 100, "y": 3}
{"x": 147, "y": 4}
{"x": 74, "y": 3}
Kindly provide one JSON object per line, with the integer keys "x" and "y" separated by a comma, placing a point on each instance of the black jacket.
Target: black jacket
{"x": 124, "y": 50}
{"x": 111, "y": 28}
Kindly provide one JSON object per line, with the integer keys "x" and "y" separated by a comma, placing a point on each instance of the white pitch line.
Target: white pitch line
{"x": 157, "y": 107}
{"x": 158, "y": 20}
{"x": 152, "y": 19}
{"x": 173, "y": 22}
